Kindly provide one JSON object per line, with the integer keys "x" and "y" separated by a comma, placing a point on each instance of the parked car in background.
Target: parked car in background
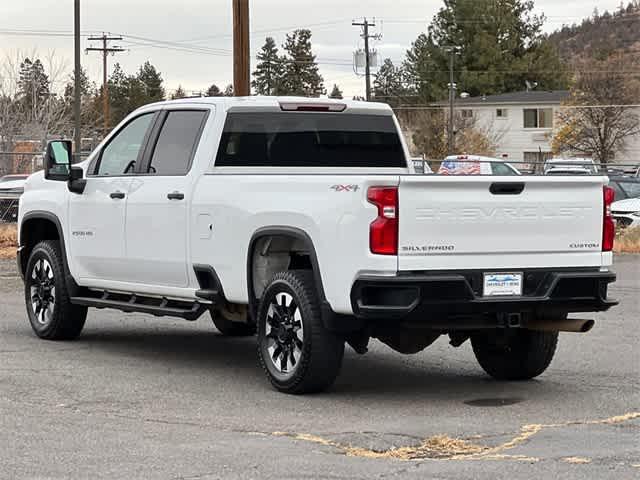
{"x": 626, "y": 212}
{"x": 420, "y": 165}
{"x": 568, "y": 171}
{"x": 625, "y": 187}
{"x": 570, "y": 166}
{"x": 476, "y": 165}
{"x": 11, "y": 188}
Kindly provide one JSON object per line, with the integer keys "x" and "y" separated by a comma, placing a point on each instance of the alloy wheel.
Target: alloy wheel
{"x": 284, "y": 333}
{"x": 43, "y": 291}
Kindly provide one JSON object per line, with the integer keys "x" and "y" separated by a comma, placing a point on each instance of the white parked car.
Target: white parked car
{"x": 476, "y": 165}
{"x": 570, "y": 166}
{"x": 568, "y": 171}
{"x": 301, "y": 220}
{"x": 11, "y": 188}
{"x": 626, "y": 212}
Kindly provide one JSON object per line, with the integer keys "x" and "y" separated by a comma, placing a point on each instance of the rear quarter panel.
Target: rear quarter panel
{"x": 331, "y": 209}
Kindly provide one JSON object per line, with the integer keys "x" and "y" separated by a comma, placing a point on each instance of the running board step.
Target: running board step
{"x": 160, "y": 307}
{"x": 208, "y": 294}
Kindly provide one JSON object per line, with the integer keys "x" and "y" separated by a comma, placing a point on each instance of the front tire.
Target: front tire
{"x": 296, "y": 351}
{"x": 515, "y": 355}
{"x": 51, "y": 314}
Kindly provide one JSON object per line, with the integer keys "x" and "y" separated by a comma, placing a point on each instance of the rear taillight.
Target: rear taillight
{"x": 608, "y": 224}
{"x": 383, "y": 232}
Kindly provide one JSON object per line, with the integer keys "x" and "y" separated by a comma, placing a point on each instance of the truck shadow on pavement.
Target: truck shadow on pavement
{"x": 380, "y": 374}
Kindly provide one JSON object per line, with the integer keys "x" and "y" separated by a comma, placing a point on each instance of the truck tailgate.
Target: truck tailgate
{"x": 488, "y": 222}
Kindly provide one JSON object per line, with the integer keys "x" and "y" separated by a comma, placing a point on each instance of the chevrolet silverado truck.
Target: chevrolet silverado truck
{"x": 302, "y": 221}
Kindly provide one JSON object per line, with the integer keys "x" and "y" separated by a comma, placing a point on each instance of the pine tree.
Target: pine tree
{"x": 389, "y": 85}
{"x": 151, "y": 80}
{"x": 336, "y": 92}
{"x": 301, "y": 70}
{"x": 33, "y": 86}
{"x": 499, "y": 50}
{"x": 268, "y": 75}
{"x": 179, "y": 93}
{"x": 126, "y": 93}
{"x": 213, "y": 91}
{"x": 86, "y": 86}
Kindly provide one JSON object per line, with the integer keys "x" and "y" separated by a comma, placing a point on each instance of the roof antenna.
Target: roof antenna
{"x": 530, "y": 85}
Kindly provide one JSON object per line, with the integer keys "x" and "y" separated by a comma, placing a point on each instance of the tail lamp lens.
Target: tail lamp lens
{"x": 383, "y": 232}
{"x": 608, "y": 224}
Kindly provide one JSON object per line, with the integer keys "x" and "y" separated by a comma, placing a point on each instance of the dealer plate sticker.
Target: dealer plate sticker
{"x": 502, "y": 284}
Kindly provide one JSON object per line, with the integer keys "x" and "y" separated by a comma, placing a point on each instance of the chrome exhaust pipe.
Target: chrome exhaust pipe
{"x": 564, "y": 325}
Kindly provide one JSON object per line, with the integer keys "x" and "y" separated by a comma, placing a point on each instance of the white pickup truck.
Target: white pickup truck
{"x": 302, "y": 220}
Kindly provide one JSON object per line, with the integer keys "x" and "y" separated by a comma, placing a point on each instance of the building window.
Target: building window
{"x": 502, "y": 113}
{"x": 466, "y": 113}
{"x": 538, "y": 118}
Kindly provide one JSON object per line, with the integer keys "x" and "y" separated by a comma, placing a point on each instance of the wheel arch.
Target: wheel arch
{"x": 35, "y": 227}
{"x": 297, "y": 236}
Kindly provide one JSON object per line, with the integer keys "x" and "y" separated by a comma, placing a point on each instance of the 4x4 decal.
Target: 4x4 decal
{"x": 345, "y": 188}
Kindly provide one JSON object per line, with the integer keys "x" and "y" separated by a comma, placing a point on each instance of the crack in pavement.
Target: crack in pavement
{"x": 443, "y": 447}
{"x": 437, "y": 447}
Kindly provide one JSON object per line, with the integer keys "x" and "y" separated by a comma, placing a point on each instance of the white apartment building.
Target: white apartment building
{"x": 523, "y": 122}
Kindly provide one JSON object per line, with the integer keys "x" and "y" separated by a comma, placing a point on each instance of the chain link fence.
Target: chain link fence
{"x": 15, "y": 167}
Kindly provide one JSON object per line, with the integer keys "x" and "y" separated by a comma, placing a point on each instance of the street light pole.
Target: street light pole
{"x": 452, "y": 95}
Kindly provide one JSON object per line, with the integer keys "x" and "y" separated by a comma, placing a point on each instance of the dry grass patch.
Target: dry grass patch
{"x": 627, "y": 241}
{"x": 8, "y": 240}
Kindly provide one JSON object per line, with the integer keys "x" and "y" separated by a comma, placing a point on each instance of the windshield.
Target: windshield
{"x": 630, "y": 189}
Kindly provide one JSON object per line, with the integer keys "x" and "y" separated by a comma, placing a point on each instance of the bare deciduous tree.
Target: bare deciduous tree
{"x": 426, "y": 132}
{"x": 25, "y": 121}
{"x": 596, "y": 120}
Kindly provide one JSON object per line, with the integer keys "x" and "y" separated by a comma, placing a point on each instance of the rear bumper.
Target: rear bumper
{"x": 440, "y": 296}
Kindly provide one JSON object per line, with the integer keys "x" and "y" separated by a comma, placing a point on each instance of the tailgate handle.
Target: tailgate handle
{"x": 512, "y": 188}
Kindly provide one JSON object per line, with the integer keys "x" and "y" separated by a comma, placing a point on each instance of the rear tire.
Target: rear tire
{"x": 51, "y": 314}
{"x": 520, "y": 355}
{"x": 298, "y": 354}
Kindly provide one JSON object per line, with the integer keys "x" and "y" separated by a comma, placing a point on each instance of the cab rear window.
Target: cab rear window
{"x": 295, "y": 139}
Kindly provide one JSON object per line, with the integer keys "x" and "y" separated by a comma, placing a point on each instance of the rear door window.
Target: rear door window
{"x": 177, "y": 142}
{"x": 294, "y": 139}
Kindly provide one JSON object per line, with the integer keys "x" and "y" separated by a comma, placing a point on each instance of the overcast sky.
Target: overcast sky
{"x": 205, "y": 25}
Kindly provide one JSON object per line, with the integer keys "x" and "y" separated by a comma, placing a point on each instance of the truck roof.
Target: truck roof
{"x": 263, "y": 102}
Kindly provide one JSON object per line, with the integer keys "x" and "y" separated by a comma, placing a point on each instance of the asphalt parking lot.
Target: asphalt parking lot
{"x": 140, "y": 397}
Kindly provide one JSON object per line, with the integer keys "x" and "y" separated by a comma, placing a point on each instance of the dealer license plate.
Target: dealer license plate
{"x": 502, "y": 284}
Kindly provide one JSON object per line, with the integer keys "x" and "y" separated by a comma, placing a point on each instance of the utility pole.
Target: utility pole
{"x": 241, "y": 54}
{"x": 452, "y": 96}
{"x": 77, "y": 94}
{"x": 106, "y": 50}
{"x": 365, "y": 24}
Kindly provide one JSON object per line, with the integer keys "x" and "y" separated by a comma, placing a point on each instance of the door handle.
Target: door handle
{"x": 115, "y": 195}
{"x": 175, "y": 196}
{"x": 507, "y": 188}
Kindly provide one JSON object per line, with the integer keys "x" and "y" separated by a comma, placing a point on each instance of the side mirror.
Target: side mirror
{"x": 57, "y": 160}
{"x": 76, "y": 183}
